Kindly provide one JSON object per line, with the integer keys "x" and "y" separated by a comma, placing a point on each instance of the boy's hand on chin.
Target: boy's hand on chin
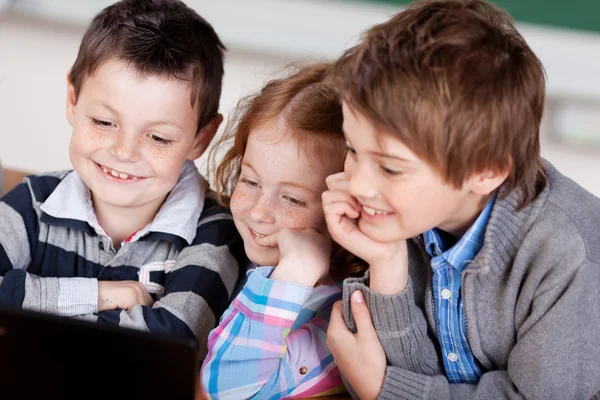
{"x": 387, "y": 260}
{"x": 303, "y": 255}
{"x": 122, "y": 294}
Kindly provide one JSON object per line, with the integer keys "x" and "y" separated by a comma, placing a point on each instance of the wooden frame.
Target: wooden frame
{"x": 12, "y": 178}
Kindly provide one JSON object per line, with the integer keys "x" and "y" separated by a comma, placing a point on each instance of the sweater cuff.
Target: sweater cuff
{"x": 402, "y": 384}
{"x": 41, "y": 294}
{"x": 390, "y": 313}
{"x": 77, "y": 296}
{"x": 270, "y": 301}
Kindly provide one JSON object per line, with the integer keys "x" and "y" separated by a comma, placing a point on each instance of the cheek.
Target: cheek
{"x": 305, "y": 219}
{"x": 241, "y": 200}
{"x": 166, "y": 155}
{"x": 165, "y": 161}
{"x": 86, "y": 140}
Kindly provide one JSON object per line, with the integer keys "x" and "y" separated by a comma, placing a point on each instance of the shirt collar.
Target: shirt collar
{"x": 464, "y": 251}
{"x": 71, "y": 200}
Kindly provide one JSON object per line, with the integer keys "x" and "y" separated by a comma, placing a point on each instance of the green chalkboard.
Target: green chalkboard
{"x": 574, "y": 14}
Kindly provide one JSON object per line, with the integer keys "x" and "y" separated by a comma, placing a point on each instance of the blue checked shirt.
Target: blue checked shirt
{"x": 448, "y": 261}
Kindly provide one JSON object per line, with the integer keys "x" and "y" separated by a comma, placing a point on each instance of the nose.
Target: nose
{"x": 125, "y": 147}
{"x": 261, "y": 212}
{"x": 360, "y": 183}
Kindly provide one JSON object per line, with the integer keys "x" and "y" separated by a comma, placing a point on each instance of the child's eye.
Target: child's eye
{"x": 103, "y": 124}
{"x": 350, "y": 150}
{"x": 159, "y": 140}
{"x": 249, "y": 182}
{"x": 390, "y": 172}
{"x": 295, "y": 201}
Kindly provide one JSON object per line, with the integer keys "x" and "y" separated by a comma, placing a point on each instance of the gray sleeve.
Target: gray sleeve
{"x": 400, "y": 324}
{"x": 556, "y": 355}
{"x": 18, "y": 236}
{"x": 62, "y": 296}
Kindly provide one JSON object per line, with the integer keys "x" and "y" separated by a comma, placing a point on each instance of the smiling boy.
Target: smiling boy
{"x": 132, "y": 236}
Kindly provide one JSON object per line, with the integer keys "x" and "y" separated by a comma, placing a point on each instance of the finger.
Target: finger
{"x": 148, "y": 300}
{"x": 336, "y": 181}
{"x": 340, "y": 209}
{"x": 362, "y": 317}
{"x": 269, "y": 241}
{"x": 339, "y": 196}
{"x": 336, "y": 320}
{"x": 339, "y": 225}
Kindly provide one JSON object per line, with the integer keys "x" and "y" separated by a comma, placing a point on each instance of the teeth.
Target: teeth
{"x": 372, "y": 211}
{"x": 114, "y": 173}
{"x": 369, "y": 210}
{"x": 258, "y": 235}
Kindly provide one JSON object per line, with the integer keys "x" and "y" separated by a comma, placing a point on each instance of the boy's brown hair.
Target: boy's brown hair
{"x": 157, "y": 38}
{"x": 312, "y": 113}
{"x": 458, "y": 85}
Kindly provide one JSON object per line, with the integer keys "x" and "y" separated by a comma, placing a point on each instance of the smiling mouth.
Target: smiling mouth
{"x": 373, "y": 211}
{"x": 255, "y": 234}
{"x": 118, "y": 174}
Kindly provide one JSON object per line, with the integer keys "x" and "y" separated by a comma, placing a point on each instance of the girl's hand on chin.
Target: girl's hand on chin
{"x": 304, "y": 255}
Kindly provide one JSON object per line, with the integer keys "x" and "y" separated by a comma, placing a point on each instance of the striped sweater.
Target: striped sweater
{"x": 53, "y": 252}
{"x": 271, "y": 343}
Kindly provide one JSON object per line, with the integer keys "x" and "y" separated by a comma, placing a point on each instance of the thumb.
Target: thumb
{"x": 360, "y": 312}
{"x": 268, "y": 241}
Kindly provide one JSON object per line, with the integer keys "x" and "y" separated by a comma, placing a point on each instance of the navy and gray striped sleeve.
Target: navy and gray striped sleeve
{"x": 18, "y": 236}
{"x": 197, "y": 289}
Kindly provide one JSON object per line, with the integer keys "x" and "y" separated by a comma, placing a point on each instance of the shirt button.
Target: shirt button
{"x": 452, "y": 357}
{"x": 446, "y": 294}
{"x": 303, "y": 370}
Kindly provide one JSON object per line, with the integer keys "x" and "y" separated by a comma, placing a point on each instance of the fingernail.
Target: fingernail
{"x": 358, "y": 297}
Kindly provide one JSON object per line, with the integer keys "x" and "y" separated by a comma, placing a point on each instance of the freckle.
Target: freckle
{"x": 240, "y": 200}
{"x": 296, "y": 220}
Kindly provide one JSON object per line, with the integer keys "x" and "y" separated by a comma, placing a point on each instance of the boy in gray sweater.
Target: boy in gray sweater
{"x": 484, "y": 261}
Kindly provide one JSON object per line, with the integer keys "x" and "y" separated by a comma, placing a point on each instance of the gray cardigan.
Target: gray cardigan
{"x": 532, "y": 303}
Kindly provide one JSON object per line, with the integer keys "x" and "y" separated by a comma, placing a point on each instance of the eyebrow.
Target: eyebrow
{"x": 389, "y": 156}
{"x": 285, "y": 183}
{"x": 382, "y": 155}
{"x": 152, "y": 123}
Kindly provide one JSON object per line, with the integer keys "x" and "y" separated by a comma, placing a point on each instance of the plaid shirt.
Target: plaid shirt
{"x": 447, "y": 263}
{"x": 271, "y": 343}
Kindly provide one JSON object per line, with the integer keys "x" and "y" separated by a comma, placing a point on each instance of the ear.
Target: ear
{"x": 204, "y": 137}
{"x": 71, "y": 100}
{"x": 485, "y": 182}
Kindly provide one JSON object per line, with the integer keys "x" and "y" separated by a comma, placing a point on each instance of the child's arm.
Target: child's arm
{"x": 197, "y": 289}
{"x": 19, "y": 232}
{"x": 556, "y": 354}
{"x": 254, "y": 354}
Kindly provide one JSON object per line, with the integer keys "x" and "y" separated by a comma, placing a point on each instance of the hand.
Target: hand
{"x": 303, "y": 255}
{"x": 122, "y": 294}
{"x": 359, "y": 356}
{"x": 388, "y": 262}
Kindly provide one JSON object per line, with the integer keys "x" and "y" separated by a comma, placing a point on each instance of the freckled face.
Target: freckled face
{"x": 131, "y": 135}
{"x": 279, "y": 187}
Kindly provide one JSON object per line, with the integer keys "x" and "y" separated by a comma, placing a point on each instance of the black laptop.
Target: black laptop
{"x": 50, "y": 357}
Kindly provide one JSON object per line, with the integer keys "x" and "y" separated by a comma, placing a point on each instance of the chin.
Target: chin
{"x": 381, "y": 234}
{"x": 259, "y": 257}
